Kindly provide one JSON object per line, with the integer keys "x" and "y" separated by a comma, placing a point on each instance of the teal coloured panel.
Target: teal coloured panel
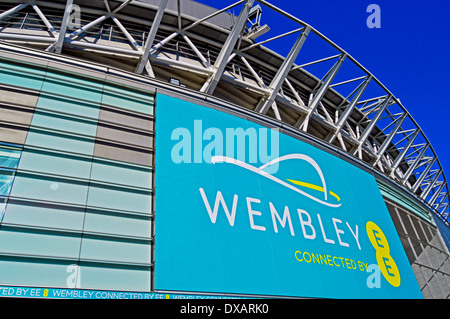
{"x": 9, "y": 157}
{"x": 119, "y": 199}
{"x": 21, "y": 76}
{"x": 26, "y": 242}
{"x": 49, "y": 190}
{"x": 55, "y": 164}
{"x": 121, "y": 174}
{"x": 64, "y": 124}
{"x": 2, "y": 208}
{"x": 129, "y": 100}
{"x": 68, "y": 106}
{"x": 115, "y": 250}
{"x": 34, "y": 215}
{"x": 109, "y": 278}
{"x": 73, "y": 87}
{"x": 6, "y": 181}
{"x": 59, "y": 142}
{"x": 32, "y": 273}
{"x": 124, "y": 225}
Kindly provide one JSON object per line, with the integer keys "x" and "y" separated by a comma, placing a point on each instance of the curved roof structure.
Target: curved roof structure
{"x": 223, "y": 53}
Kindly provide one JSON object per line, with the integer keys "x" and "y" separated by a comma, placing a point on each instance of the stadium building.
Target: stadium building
{"x": 160, "y": 149}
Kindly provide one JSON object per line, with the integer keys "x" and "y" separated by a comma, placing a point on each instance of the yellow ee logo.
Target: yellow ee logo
{"x": 385, "y": 261}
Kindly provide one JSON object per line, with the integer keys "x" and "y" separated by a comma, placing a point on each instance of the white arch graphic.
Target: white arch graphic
{"x": 260, "y": 171}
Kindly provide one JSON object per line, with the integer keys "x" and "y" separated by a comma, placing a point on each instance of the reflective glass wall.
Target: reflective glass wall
{"x": 76, "y": 158}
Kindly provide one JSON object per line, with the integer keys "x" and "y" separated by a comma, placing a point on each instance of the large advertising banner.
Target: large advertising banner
{"x": 243, "y": 209}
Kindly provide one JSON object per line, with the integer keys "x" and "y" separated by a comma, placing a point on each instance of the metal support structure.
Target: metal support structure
{"x": 303, "y": 123}
{"x": 150, "y": 38}
{"x": 436, "y": 194}
{"x": 371, "y": 125}
{"x": 415, "y": 163}
{"x": 282, "y": 73}
{"x": 57, "y": 46}
{"x": 423, "y": 175}
{"x": 431, "y": 185}
{"x": 349, "y": 109}
{"x": 228, "y": 47}
{"x": 389, "y": 138}
{"x": 402, "y": 154}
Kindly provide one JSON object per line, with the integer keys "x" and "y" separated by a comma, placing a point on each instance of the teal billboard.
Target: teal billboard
{"x": 243, "y": 209}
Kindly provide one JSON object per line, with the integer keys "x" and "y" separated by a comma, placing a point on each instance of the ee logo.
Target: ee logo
{"x": 385, "y": 261}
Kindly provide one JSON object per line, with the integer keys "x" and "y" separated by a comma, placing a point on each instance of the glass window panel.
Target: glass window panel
{"x": 114, "y": 278}
{"x": 44, "y": 216}
{"x": 73, "y": 87}
{"x": 50, "y": 190}
{"x": 127, "y": 99}
{"x": 120, "y": 250}
{"x": 21, "y": 76}
{"x": 121, "y": 174}
{"x": 64, "y": 124}
{"x": 68, "y": 106}
{"x": 9, "y": 157}
{"x": 2, "y": 208}
{"x": 125, "y": 225}
{"x": 61, "y": 143}
{"x": 32, "y": 272}
{"x": 55, "y": 164}
{"x": 119, "y": 199}
{"x": 6, "y": 181}
{"x": 24, "y": 241}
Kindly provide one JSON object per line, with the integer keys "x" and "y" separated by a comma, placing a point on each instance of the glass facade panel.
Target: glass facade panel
{"x": 120, "y": 224}
{"x": 60, "y": 142}
{"x": 115, "y": 198}
{"x": 9, "y": 157}
{"x": 115, "y": 250}
{"x": 69, "y": 106}
{"x": 72, "y": 86}
{"x": 38, "y": 243}
{"x": 123, "y": 174}
{"x": 116, "y": 278}
{"x": 52, "y": 190}
{"x": 6, "y": 181}
{"x": 22, "y": 76}
{"x": 29, "y": 272}
{"x": 54, "y": 163}
{"x": 65, "y": 124}
{"x": 62, "y": 206}
{"x": 132, "y": 101}
{"x": 45, "y": 216}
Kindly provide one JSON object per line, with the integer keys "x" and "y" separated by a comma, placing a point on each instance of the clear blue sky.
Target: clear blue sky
{"x": 409, "y": 54}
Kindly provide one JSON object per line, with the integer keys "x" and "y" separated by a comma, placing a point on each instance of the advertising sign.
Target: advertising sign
{"x": 244, "y": 209}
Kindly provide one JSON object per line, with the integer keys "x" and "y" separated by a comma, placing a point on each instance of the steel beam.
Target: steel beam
{"x": 423, "y": 175}
{"x": 371, "y": 125}
{"x": 282, "y": 73}
{"x": 303, "y": 123}
{"x": 415, "y": 163}
{"x": 389, "y": 138}
{"x": 431, "y": 185}
{"x": 151, "y": 37}
{"x": 349, "y": 109}
{"x": 402, "y": 154}
{"x": 227, "y": 49}
{"x": 13, "y": 10}
{"x": 58, "y": 45}
{"x": 436, "y": 194}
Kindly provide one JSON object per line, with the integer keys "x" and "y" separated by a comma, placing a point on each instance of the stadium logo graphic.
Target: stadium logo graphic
{"x": 262, "y": 170}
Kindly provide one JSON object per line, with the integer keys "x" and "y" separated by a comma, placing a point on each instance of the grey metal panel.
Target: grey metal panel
{"x": 123, "y": 154}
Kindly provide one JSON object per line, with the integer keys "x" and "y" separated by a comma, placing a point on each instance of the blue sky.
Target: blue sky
{"x": 409, "y": 54}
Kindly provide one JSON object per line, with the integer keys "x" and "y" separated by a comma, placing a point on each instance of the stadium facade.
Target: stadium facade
{"x": 118, "y": 179}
